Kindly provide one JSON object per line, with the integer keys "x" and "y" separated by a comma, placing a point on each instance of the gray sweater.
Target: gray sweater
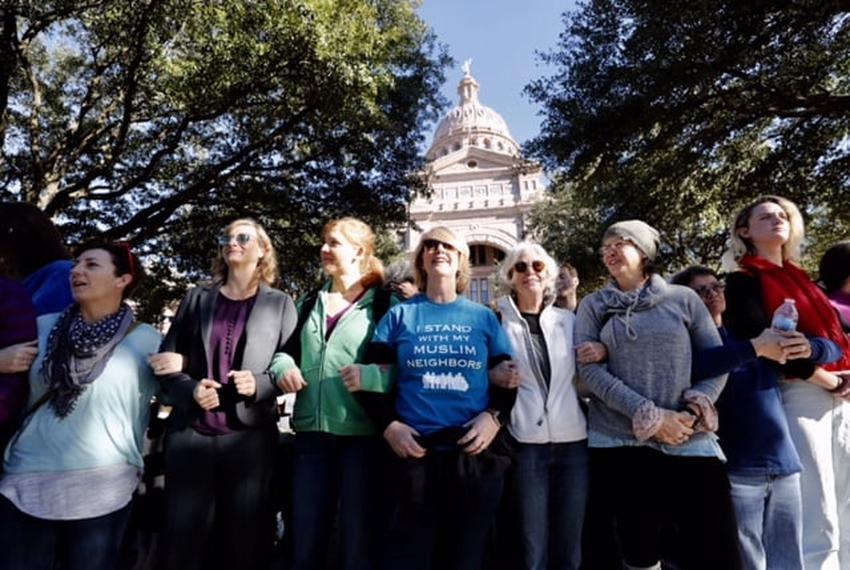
{"x": 651, "y": 335}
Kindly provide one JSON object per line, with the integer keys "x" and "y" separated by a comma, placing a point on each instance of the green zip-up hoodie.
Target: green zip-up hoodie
{"x": 324, "y": 404}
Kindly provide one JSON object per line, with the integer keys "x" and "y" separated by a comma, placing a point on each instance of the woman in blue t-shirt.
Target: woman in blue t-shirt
{"x": 446, "y": 414}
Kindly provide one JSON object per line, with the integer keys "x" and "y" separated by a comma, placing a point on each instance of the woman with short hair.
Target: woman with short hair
{"x": 650, "y": 428}
{"x": 222, "y": 434}
{"x": 550, "y": 477}
{"x": 72, "y": 468}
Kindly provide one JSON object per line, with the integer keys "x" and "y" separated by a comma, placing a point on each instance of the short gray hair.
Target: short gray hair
{"x": 506, "y": 271}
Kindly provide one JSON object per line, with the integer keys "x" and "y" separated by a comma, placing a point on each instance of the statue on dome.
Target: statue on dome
{"x": 467, "y": 68}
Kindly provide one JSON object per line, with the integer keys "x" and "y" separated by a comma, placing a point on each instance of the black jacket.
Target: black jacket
{"x": 270, "y": 324}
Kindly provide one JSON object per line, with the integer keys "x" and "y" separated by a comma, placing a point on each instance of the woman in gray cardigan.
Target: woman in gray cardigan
{"x": 650, "y": 428}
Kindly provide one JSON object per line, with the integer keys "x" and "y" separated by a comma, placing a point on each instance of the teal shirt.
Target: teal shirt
{"x": 109, "y": 421}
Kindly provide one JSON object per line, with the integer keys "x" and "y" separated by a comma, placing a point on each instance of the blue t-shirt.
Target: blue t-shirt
{"x": 442, "y": 355}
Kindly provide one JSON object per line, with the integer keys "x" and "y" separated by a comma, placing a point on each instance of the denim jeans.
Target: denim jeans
{"x": 334, "y": 474}
{"x": 770, "y": 521}
{"x": 550, "y": 489}
{"x": 30, "y": 543}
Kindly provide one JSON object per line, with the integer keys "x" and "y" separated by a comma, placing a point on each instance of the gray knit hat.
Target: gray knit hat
{"x": 645, "y": 237}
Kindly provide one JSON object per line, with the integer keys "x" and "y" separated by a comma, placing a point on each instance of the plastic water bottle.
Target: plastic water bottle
{"x": 785, "y": 317}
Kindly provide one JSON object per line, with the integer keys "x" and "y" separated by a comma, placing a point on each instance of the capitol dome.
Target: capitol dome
{"x": 471, "y": 124}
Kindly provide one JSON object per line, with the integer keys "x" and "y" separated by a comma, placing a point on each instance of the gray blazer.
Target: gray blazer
{"x": 271, "y": 322}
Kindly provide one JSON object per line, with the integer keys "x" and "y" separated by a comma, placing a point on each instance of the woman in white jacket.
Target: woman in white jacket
{"x": 551, "y": 477}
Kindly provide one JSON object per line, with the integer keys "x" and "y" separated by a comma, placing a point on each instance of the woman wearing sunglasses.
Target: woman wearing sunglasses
{"x": 444, "y": 418}
{"x": 72, "y": 468}
{"x": 650, "y": 428}
{"x": 549, "y": 483}
{"x": 222, "y": 436}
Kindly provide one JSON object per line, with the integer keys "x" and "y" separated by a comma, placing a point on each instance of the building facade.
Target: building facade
{"x": 479, "y": 186}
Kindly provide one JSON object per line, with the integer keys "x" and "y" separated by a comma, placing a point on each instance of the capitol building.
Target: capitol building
{"x": 479, "y": 186}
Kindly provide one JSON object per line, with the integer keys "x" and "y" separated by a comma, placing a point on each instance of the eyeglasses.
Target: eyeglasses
{"x": 537, "y": 265}
{"x": 431, "y": 245}
{"x": 618, "y": 245}
{"x": 706, "y": 291}
{"x": 241, "y": 239}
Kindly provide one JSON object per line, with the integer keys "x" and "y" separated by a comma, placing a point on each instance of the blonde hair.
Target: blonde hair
{"x": 550, "y": 275}
{"x": 359, "y": 234}
{"x": 445, "y": 235}
{"x": 740, "y": 246}
{"x": 266, "y": 270}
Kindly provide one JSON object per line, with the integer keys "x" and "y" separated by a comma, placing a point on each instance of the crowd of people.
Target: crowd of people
{"x": 651, "y": 424}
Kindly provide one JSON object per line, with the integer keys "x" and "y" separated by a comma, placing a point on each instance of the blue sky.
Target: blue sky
{"x": 500, "y": 36}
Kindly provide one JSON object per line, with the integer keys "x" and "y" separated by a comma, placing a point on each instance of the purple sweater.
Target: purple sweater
{"x": 17, "y": 324}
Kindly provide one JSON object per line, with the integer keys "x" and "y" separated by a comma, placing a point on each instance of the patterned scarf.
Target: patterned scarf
{"x": 77, "y": 353}
{"x": 817, "y": 315}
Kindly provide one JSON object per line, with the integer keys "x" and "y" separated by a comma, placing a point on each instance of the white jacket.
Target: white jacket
{"x": 542, "y": 415}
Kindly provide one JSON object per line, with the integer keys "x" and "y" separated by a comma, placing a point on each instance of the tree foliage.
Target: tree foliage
{"x": 156, "y": 121}
{"x": 680, "y": 112}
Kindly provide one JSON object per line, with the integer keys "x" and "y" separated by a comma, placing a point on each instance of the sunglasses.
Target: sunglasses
{"x": 431, "y": 245}
{"x": 241, "y": 239}
{"x": 706, "y": 291}
{"x": 537, "y": 265}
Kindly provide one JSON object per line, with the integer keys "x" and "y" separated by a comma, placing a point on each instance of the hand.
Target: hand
{"x": 796, "y": 345}
{"x": 206, "y": 394}
{"x": 480, "y": 435}
{"x": 244, "y": 381}
{"x": 768, "y": 345}
{"x": 166, "y": 363}
{"x": 291, "y": 381}
{"x": 505, "y": 374}
{"x": 18, "y": 357}
{"x": 590, "y": 352}
{"x": 675, "y": 427}
{"x": 400, "y": 437}
{"x": 351, "y": 377}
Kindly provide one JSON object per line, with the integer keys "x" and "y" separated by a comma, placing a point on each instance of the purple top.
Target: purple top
{"x": 227, "y": 343}
{"x": 841, "y": 301}
{"x": 331, "y": 321}
{"x": 17, "y": 324}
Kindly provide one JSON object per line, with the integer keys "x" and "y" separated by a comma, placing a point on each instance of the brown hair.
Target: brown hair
{"x": 359, "y": 234}
{"x": 124, "y": 260}
{"x": 266, "y": 270}
{"x": 445, "y": 235}
{"x": 28, "y": 240}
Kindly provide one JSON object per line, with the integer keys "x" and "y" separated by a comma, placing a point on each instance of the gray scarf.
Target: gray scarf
{"x": 77, "y": 353}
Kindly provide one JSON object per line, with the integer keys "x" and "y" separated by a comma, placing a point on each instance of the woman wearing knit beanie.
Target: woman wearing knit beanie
{"x": 650, "y": 428}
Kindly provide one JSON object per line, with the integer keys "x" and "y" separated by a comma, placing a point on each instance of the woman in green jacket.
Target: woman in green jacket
{"x": 336, "y": 443}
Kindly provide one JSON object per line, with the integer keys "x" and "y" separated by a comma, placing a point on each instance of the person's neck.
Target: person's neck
{"x": 631, "y": 282}
{"x": 718, "y": 319}
{"x": 240, "y": 284}
{"x": 98, "y": 310}
{"x": 346, "y": 283}
{"x": 441, "y": 290}
{"x": 772, "y": 254}
{"x": 529, "y": 302}
{"x": 567, "y": 301}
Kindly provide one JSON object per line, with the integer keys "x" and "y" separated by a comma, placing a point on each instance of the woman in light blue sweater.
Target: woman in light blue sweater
{"x": 71, "y": 470}
{"x": 650, "y": 429}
